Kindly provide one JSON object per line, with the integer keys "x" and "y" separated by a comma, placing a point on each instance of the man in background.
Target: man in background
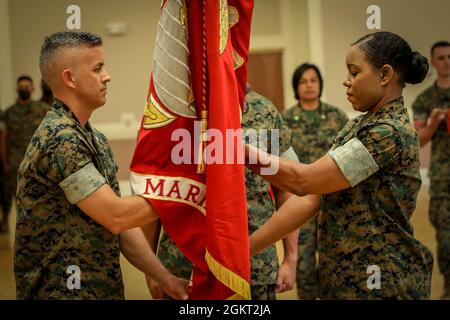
{"x": 21, "y": 121}
{"x": 431, "y": 111}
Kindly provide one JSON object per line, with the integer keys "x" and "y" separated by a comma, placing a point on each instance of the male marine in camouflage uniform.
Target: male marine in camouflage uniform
{"x": 21, "y": 121}
{"x": 69, "y": 207}
{"x": 267, "y": 278}
{"x": 313, "y": 131}
{"x": 430, "y": 114}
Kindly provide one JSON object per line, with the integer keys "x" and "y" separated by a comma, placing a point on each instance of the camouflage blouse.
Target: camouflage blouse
{"x": 64, "y": 163}
{"x": 435, "y": 97}
{"x": 367, "y": 228}
{"x": 313, "y": 131}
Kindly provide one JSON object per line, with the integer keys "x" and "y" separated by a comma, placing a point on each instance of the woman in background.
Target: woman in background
{"x": 313, "y": 125}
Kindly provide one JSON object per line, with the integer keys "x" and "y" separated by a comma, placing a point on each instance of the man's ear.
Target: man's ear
{"x": 67, "y": 78}
{"x": 387, "y": 73}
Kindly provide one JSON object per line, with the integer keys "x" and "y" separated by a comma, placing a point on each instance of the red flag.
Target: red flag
{"x": 200, "y": 64}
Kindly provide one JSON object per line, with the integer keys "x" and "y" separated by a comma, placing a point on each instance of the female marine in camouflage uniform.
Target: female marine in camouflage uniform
{"x": 370, "y": 181}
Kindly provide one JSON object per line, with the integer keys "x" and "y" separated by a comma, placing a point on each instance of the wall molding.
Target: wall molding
{"x": 6, "y": 77}
{"x": 279, "y": 42}
{"x": 118, "y": 131}
{"x": 316, "y": 44}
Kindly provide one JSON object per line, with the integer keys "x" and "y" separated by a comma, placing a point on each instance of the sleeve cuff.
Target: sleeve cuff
{"x": 82, "y": 183}
{"x": 355, "y": 161}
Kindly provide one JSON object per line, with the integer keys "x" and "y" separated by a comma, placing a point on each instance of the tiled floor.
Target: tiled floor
{"x": 135, "y": 287}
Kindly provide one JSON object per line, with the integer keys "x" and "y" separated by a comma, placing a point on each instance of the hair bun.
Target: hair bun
{"x": 418, "y": 68}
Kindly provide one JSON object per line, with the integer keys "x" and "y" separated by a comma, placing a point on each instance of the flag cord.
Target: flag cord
{"x": 201, "y": 167}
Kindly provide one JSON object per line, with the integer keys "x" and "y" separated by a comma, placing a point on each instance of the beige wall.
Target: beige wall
{"x": 282, "y": 26}
{"x": 267, "y": 18}
{"x": 420, "y": 22}
{"x": 277, "y": 24}
{"x": 128, "y": 57}
{"x": 304, "y": 30}
{"x": 6, "y": 79}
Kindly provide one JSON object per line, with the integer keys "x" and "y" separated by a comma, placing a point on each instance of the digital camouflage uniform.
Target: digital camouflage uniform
{"x": 369, "y": 224}
{"x": 439, "y": 173}
{"x": 63, "y": 165}
{"x": 259, "y": 113}
{"x": 312, "y": 132}
{"x": 21, "y": 122}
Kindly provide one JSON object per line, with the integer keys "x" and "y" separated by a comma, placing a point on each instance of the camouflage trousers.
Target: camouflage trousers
{"x": 440, "y": 218}
{"x": 308, "y": 286}
{"x": 263, "y": 292}
{"x": 10, "y": 188}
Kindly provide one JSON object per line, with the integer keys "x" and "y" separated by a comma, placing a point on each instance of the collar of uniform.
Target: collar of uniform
{"x": 298, "y": 108}
{"x": 393, "y": 107}
{"x": 25, "y": 107}
{"x": 441, "y": 91}
{"x": 62, "y": 108}
{"x": 319, "y": 108}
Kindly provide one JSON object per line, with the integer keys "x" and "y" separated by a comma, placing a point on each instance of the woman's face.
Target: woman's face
{"x": 309, "y": 85}
{"x": 364, "y": 82}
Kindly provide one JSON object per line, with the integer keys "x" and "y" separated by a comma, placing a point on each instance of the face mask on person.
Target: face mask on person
{"x": 24, "y": 94}
{"x": 47, "y": 92}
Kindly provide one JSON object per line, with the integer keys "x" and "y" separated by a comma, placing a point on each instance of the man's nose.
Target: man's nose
{"x": 106, "y": 77}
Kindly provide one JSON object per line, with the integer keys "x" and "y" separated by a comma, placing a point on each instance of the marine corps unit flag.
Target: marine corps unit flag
{"x": 197, "y": 83}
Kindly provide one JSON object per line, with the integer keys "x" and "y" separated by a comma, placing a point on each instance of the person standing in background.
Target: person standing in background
{"x": 431, "y": 110}
{"x": 21, "y": 121}
{"x": 313, "y": 124}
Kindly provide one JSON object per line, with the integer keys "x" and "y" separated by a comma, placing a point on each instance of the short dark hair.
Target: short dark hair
{"x": 24, "y": 77}
{"x": 389, "y": 48}
{"x": 298, "y": 74}
{"x": 66, "y": 39}
{"x": 439, "y": 44}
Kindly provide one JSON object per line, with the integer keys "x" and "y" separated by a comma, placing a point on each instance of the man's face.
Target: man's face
{"x": 441, "y": 61}
{"x": 90, "y": 76}
{"x": 24, "y": 89}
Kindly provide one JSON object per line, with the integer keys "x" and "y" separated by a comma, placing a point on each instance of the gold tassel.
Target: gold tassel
{"x": 229, "y": 279}
{"x": 201, "y": 166}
